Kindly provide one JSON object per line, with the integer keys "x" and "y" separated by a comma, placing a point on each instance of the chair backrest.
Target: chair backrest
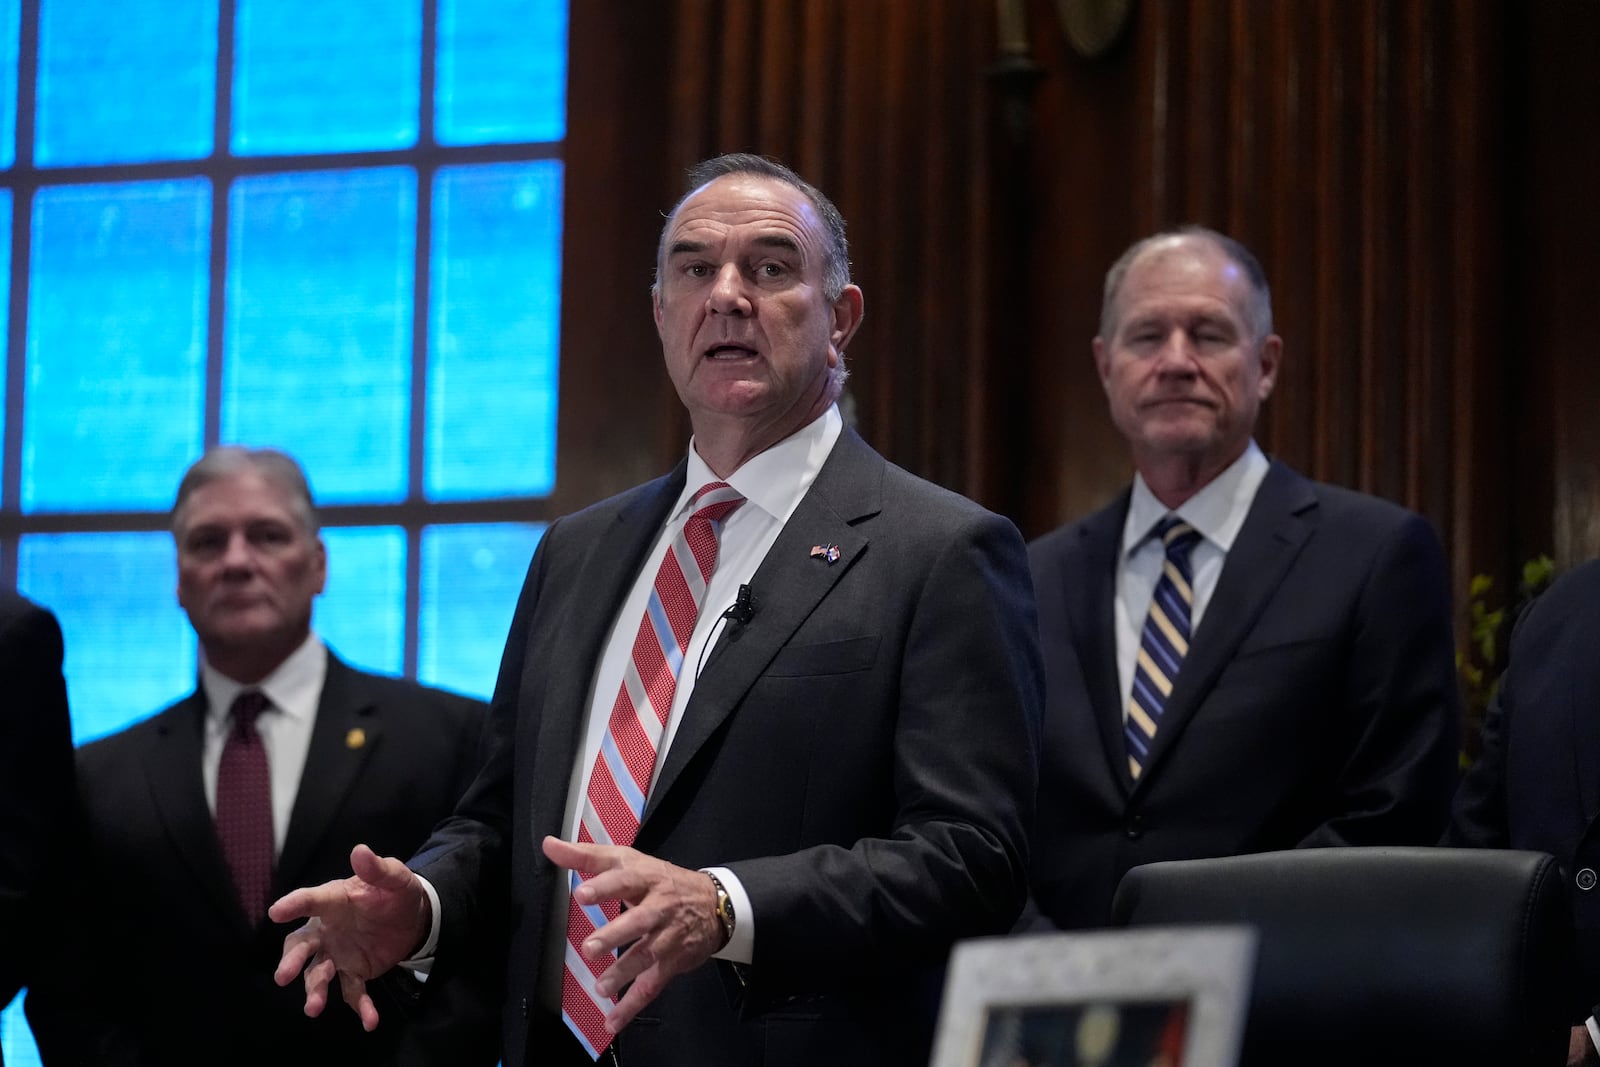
{"x": 1385, "y": 955}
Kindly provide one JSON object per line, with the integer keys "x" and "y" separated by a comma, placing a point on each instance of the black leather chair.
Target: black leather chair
{"x": 1385, "y": 955}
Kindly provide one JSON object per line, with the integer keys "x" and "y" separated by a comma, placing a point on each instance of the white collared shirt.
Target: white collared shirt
{"x": 1218, "y": 512}
{"x": 294, "y": 689}
{"x": 773, "y": 484}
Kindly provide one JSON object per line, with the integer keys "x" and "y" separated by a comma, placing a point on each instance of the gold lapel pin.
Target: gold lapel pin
{"x": 356, "y": 738}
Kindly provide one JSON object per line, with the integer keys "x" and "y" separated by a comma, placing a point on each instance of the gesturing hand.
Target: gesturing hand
{"x": 670, "y": 920}
{"x": 357, "y": 928}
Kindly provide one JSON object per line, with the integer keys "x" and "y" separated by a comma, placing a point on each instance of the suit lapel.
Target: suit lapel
{"x": 1091, "y": 605}
{"x": 172, "y": 769}
{"x": 347, "y": 731}
{"x": 788, "y": 586}
{"x": 1281, "y": 519}
{"x": 607, "y": 571}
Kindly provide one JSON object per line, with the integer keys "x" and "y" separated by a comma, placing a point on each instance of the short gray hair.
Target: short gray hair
{"x": 1259, "y": 311}
{"x": 835, "y": 250}
{"x": 225, "y": 461}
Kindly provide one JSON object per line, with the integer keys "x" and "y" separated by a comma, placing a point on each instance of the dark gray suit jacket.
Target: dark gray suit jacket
{"x": 860, "y": 753}
{"x": 38, "y": 825}
{"x": 1536, "y": 784}
{"x": 176, "y": 975}
{"x": 1317, "y": 705}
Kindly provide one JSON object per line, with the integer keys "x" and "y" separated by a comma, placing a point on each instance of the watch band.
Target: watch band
{"x": 724, "y": 911}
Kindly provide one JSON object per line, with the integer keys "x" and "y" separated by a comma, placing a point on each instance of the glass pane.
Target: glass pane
{"x": 125, "y": 81}
{"x": 313, "y": 76}
{"x": 15, "y": 1038}
{"x": 317, "y": 345}
{"x": 10, "y": 27}
{"x": 471, "y": 575}
{"x": 494, "y": 330}
{"x": 130, "y": 650}
{"x": 5, "y": 314}
{"x": 361, "y": 614}
{"x": 502, "y": 73}
{"x": 116, "y": 344}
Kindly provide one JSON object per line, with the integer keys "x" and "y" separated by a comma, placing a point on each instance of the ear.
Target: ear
{"x": 848, "y": 312}
{"x": 1102, "y": 362}
{"x": 655, "y": 306}
{"x": 1270, "y": 355}
{"x": 320, "y": 564}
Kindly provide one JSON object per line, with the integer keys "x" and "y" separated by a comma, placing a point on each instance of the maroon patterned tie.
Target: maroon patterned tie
{"x": 244, "y": 806}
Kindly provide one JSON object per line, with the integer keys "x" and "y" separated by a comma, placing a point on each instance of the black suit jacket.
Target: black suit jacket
{"x": 37, "y": 819}
{"x": 860, "y": 753}
{"x": 1317, "y": 705}
{"x": 1536, "y": 784}
{"x": 176, "y": 973}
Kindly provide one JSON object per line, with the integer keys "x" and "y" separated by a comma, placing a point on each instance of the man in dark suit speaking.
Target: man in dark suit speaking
{"x": 773, "y": 714}
{"x": 266, "y": 776}
{"x": 37, "y": 819}
{"x": 1237, "y": 659}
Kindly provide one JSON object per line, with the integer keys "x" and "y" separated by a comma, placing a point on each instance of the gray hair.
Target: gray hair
{"x": 1259, "y": 312}
{"x": 225, "y": 461}
{"x": 835, "y": 251}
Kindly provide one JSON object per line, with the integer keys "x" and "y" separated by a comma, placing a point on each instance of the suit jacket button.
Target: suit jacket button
{"x": 524, "y": 1007}
{"x": 1586, "y": 879}
{"x": 1134, "y": 827}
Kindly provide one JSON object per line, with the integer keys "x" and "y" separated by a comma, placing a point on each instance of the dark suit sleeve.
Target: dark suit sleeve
{"x": 37, "y": 809}
{"x": 1401, "y": 732}
{"x": 1478, "y": 818}
{"x": 963, "y": 776}
{"x": 455, "y": 1014}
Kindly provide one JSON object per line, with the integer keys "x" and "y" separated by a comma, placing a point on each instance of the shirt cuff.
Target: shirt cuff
{"x": 741, "y": 947}
{"x": 421, "y": 961}
{"x": 1594, "y": 1031}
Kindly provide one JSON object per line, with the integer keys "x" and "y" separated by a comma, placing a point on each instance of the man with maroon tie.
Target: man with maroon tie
{"x": 282, "y": 759}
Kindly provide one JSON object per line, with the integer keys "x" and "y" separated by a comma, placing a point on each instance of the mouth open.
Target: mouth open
{"x": 730, "y": 350}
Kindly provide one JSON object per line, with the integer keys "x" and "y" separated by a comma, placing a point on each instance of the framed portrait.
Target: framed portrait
{"x": 1153, "y": 997}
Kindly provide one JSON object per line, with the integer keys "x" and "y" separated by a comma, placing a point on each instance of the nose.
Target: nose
{"x": 1177, "y": 355}
{"x": 237, "y": 555}
{"x": 728, "y": 295}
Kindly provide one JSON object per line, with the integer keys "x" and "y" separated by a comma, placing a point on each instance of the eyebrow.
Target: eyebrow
{"x": 770, "y": 240}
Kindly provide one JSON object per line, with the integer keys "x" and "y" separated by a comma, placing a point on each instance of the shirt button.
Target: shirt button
{"x": 1586, "y": 879}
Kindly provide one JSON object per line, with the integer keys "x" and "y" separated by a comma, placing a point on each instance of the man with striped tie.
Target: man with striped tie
{"x": 767, "y": 725}
{"x": 1237, "y": 659}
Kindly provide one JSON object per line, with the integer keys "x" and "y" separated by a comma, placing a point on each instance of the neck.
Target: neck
{"x": 249, "y": 665}
{"x": 728, "y": 444}
{"x": 1174, "y": 479}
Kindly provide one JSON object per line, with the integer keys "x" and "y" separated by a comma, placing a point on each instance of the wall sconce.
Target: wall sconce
{"x": 1014, "y": 73}
{"x": 1093, "y": 26}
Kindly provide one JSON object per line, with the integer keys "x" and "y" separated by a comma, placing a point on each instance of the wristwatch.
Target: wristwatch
{"x": 724, "y": 911}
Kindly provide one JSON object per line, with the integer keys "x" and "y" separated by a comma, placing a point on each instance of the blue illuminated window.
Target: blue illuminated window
{"x": 244, "y": 221}
{"x": 117, "y": 295}
{"x": 318, "y": 345}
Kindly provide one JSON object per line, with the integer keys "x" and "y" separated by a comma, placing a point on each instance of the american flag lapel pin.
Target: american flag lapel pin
{"x": 830, "y": 553}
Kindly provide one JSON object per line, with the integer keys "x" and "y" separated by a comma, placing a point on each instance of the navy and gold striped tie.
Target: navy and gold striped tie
{"x": 1164, "y": 642}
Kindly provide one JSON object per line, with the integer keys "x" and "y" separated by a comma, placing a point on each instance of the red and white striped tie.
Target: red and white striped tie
{"x": 620, "y": 780}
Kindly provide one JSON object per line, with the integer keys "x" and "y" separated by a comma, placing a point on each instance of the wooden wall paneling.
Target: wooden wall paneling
{"x": 1558, "y": 236}
{"x": 609, "y": 437}
{"x": 1283, "y": 146}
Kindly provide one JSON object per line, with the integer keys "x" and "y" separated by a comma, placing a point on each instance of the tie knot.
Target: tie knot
{"x": 1176, "y": 536}
{"x": 715, "y": 501}
{"x": 245, "y": 709}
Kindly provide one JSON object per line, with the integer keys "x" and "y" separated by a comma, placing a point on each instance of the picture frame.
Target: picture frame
{"x": 1171, "y": 996}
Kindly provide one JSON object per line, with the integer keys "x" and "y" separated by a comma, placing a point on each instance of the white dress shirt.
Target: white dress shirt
{"x": 772, "y": 484}
{"x": 1218, "y": 512}
{"x": 293, "y": 690}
